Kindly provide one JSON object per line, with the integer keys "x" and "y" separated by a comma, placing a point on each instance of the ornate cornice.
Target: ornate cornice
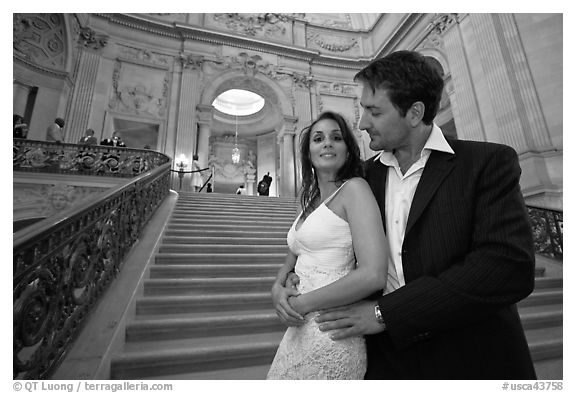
{"x": 185, "y": 32}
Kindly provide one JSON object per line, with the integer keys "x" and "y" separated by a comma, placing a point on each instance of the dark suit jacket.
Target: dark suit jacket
{"x": 467, "y": 258}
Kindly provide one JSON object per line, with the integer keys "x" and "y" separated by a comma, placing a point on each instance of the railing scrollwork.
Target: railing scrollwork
{"x": 63, "y": 264}
{"x": 548, "y": 231}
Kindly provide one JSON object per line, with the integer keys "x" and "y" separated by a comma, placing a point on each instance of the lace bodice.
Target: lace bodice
{"x": 323, "y": 245}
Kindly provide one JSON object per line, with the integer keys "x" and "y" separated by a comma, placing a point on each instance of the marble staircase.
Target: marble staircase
{"x": 205, "y": 310}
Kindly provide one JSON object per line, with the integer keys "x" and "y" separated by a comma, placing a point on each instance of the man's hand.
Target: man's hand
{"x": 356, "y": 319}
{"x": 285, "y": 312}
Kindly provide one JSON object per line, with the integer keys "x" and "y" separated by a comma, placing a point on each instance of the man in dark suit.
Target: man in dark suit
{"x": 460, "y": 241}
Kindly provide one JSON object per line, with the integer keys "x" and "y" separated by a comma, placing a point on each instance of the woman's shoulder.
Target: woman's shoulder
{"x": 355, "y": 187}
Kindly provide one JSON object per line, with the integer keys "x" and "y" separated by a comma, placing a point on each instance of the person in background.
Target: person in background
{"x": 264, "y": 185}
{"x": 20, "y": 129}
{"x": 116, "y": 140}
{"x": 88, "y": 138}
{"x": 241, "y": 190}
{"x": 55, "y": 132}
{"x": 209, "y": 187}
{"x": 197, "y": 181}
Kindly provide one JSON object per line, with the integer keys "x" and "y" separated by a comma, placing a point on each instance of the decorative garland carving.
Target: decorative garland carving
{"x": 145, "y": 56}
{"x": 333, "y": 44}
{"x": 267, "y": 24}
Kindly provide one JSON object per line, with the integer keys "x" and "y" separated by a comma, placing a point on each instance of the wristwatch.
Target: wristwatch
{"x": 378, "y": 315}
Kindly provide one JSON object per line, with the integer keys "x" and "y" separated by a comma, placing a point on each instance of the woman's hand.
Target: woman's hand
{"x": 297, "y": 305}
{"x": 280, "y": 299}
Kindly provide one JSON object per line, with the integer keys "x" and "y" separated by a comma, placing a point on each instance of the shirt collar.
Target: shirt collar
{"x": 436, "y": 141}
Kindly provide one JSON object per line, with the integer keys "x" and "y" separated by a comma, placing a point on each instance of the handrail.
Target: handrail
{"x": 63, "y": 264}
{"x": 547, "y": 231}
{"x": 92, "y": 160}
{"x": 206, "y": 182}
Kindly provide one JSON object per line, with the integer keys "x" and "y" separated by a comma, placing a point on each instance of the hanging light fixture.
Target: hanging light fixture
{"x": 235, "y": 150}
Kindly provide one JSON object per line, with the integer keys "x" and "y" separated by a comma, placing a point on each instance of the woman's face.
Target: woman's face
{"x": 328, "y": 151}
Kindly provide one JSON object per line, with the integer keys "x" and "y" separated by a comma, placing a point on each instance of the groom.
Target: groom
{"x": 460, "y": 241}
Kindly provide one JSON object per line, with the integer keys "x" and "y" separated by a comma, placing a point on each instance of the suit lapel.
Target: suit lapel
{"x": 439, "y": 165}
{"x": 377, "y": 174}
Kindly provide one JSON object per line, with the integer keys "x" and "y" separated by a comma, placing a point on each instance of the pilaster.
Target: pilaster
{"x": 90, "y": 45}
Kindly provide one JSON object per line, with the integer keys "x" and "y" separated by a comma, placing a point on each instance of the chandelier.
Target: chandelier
{"x": 235, "y": 150}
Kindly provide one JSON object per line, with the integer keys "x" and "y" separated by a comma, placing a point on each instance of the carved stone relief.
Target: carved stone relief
{"x": 139, "y": 90}
{"x": 443, "y": 22}
{"x": 90, "y": 39}
{"x": 267, "y": 25}
{"x": 144, "y": 56}
{"x": 333, "y": 43}
{"x": 38, "y": 200}
{"x": 40, "y": 39}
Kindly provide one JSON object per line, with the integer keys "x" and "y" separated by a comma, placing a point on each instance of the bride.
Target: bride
{"x": 335, "y": 248}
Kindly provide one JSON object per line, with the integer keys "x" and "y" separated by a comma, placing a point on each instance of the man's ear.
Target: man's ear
{"x": 416, "y": 113}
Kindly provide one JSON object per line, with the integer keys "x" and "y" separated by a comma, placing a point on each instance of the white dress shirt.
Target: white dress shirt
{"x": 400, "y": 189}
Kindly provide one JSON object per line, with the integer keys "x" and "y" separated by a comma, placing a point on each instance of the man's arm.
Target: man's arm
{"x": 495, "y": 272}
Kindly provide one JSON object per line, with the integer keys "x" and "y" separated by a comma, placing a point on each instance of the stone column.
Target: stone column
{"x": 287, "y": 180}
{"x": 204, "y": 113}
{"x": 463, "y": 102}
{"x": 303, "y": 85}
{"x": 186, "y": 125}
{"x": 80, "y": 106}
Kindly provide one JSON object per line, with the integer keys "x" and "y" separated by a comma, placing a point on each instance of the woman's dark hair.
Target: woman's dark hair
{"x": 353, "y": 166}
{"x": 407, "y": 77}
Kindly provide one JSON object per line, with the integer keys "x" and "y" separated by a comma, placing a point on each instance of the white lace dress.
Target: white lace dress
{"x": 323, "y": 244}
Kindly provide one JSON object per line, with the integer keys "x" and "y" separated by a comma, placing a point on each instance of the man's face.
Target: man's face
{"x": 387, "y": 128}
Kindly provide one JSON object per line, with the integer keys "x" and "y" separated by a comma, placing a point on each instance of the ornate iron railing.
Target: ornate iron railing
{"x": 548, "y": 231}
{"x": 63, "y": 264}
{"x": 70, "y": 158}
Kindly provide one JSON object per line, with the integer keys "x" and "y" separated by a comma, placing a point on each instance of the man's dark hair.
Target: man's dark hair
{"x": 407, "y": 77}
{"x": 59, "y": 121}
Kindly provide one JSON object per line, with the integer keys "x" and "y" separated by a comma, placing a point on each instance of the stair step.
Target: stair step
{"x": 251, "y": 373}
{"x": 541, "y": 318}
{"x": 172, "y": 258}
{"x": 207, "y": 326}
{"x": 223, "y": 240}
{"x": 244, "y": 226}
{"x": 223, "y": 233}
{"x": 545, "y": 343}
{"x": 245, "y": 211}
{"x": 221, "y": 248}
{"x": 548, "y": 282}
{"x": 189, "y": 286}
{"x": 211, "y": 270}
{"x": 172, "y": 304}
{"x": 236, "y": 216}
{"x": 542, "y": 297}
{"x": 195, "y": 356}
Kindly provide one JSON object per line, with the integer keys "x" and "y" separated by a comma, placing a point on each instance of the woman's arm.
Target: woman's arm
{"x": 281, "y": 293}
{"x": 370, "y": 247}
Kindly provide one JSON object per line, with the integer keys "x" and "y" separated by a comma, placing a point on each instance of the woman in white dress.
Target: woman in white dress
{"x": 196, "y": 176}
{"x": 336, "y": 249}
